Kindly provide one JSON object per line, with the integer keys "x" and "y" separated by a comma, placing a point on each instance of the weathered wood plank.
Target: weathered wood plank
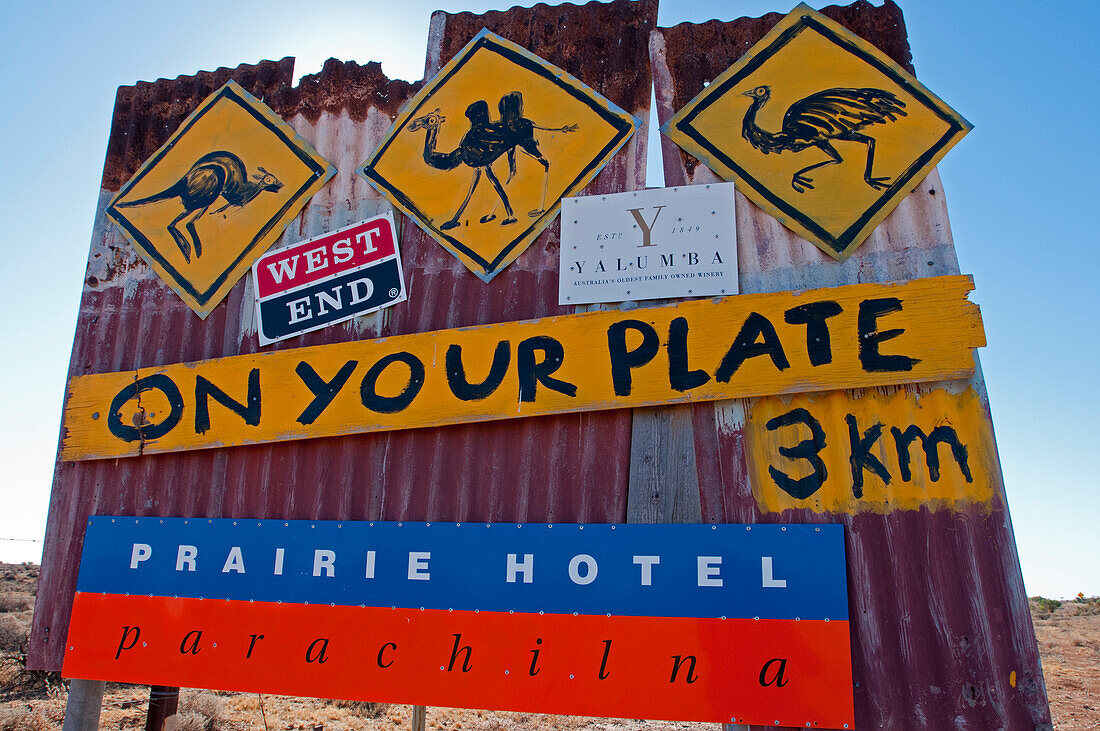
{"x": 664, "y": 483}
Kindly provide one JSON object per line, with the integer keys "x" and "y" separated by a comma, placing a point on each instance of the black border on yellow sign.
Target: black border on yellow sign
{"x": 318, "y": 171}
{"x": 488, "y": 42}
{"x": 902, "y": 183}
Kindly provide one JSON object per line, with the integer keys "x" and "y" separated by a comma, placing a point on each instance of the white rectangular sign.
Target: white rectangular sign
{"x": 648, "y": 244}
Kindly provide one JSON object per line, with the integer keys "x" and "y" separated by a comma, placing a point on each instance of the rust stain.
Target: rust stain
{"x": 147, "y": 113}
{"x": 595, "y": 42}
{"x": 343, "y": 86}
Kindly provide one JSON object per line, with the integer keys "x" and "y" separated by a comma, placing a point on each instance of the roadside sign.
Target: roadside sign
{"x": 483, "y": 154}
{"x": 217, "y": 194}
{"x": 648, "y": 244}
{"x": 328, "y": 279}
{"x": 820, "y": 129}
{"x": 700, "y": 350}
{"x": 733, "y": 623}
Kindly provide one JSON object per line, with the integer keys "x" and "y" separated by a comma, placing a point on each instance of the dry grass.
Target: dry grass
{"x": 1069, "y": 643}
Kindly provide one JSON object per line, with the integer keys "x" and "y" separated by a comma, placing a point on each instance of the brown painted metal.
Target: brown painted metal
{"x": 570, "y": 468}
{"x": 941, "y": 633}
{"x": 164, "y": 701}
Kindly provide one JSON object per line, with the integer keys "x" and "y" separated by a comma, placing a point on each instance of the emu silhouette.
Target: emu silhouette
{"x": 833, "y": 114}
{"x": 479, "y": 148}
{"x": 215, "y": 174}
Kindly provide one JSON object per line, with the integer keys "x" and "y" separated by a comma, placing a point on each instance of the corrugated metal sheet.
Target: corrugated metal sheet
{"x": 558, "y": 469}
{"x": 940, "y": 623}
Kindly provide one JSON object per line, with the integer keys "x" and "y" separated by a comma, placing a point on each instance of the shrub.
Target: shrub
{"x": 199, "y": 711}
{"x": 23, "y": 719}
{"x": 362, "y": 709}
{"x": 16, "y": 602}
{"x": 1045, "y": 607}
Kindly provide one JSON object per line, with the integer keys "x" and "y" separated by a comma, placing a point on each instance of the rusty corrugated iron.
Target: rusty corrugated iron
{"x": 571, "y": 468}
{"x": 941, "y": 633}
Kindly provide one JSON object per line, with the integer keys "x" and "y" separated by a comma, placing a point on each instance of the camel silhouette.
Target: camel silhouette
{"x": 479, "y": 148}
{"x": 483, "y": 145}
{"x": 833, "y": 114}
{"x": 215, "y": 174}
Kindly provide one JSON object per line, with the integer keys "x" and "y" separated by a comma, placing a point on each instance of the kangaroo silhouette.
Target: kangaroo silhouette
{"x": 215, "y": 174}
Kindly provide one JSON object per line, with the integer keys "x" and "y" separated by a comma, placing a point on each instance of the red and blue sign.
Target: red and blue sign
{"x": 328, "y": 279}
{"x": 723, "y": 623}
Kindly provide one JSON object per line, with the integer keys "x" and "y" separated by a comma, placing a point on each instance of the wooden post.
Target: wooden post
{"x": 419, "y": 718}
{"x": 664, "y": 483}
{"x": 84, "y": 704}
{"x": 163, "y": 703}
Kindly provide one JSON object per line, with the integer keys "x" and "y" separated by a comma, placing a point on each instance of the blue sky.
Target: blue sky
{"x": 1020, "y": 192}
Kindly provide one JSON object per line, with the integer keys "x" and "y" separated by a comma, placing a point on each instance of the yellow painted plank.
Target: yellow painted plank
{"x": 702, "y": 350}
{"x": 873, "y": 452}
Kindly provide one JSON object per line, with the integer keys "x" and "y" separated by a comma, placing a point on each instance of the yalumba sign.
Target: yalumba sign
{"x": 648, "y": 244}
{"x": 702, "y": 350}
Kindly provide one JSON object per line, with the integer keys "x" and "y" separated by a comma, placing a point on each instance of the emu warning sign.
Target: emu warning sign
{"x": 820, "y": 129}
{"x": 702, "y": 350}
{"x": 217, "y": 194}
{"x": 733, "y": 623}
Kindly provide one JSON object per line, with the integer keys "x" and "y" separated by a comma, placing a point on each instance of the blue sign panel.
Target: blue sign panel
{"x": 735, "y": 571}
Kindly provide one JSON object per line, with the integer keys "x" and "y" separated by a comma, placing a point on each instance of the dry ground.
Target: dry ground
{"x": 1068, "y": 635}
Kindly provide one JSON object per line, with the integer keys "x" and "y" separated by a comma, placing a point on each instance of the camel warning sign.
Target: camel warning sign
{"x": 820, "y": 129}
{"x": 482, "y": 155}
{"x": 217, "y": 194}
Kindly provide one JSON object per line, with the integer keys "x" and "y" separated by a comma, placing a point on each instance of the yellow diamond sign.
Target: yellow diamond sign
{"x": 481, "y": 157}
{"x": 217, "y": 194}
{"x": 820, "y": 129}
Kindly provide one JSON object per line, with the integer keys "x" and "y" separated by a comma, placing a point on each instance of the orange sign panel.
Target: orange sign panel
{"x": 820, "y": 129}
{"x": 482, "y": 155}
{"x": 217, "y": 194}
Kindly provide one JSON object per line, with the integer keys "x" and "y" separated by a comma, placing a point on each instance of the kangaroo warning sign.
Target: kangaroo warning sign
{"x": 482, "y": 155}
{"x": 820, "y": 129}
{"x": 733, "y": 623}
{"x": 328, "y": 279}
{"x": 217, "y": 194}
